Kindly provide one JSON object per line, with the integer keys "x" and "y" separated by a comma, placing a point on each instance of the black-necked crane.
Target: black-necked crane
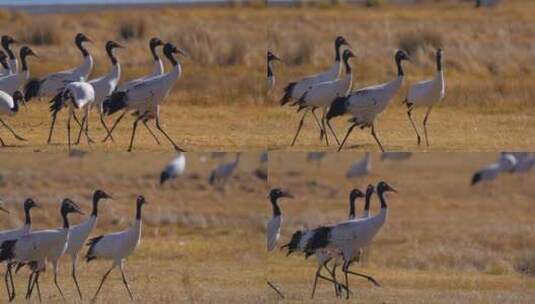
{"x": 366, "y": 104}
{"x": 41, "y": 246}
{"x": 7, "y": 41}
{"x": 524, "y": 162}
{"x": 146, "y": 97}
{"x": 104, "y": 86}
{"x": 117, "y": 247}
{"x": 222, "y": 173}
{"x": 270, "y": 75}
{"x": 15, "y": 81}
{"x": 360, "y": 168}
{"x": 13, "y": 235}
{"x": 505, "y": 163}
{"x": 9, "y": 105}
{"x": 175, "y": 168}
{"x": 321, "y": 95}
{"x": 427, "y": 93}
{"x": 79, "y": 234}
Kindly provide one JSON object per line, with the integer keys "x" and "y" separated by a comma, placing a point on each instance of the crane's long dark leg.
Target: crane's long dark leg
{"x": 125, "y": 282}
{"x": 106, "y": 127}
{"x": 347, "y": 135}
{"x": 75, "y": 279}
{"x": 52, "y": 124}
{"x": 175, "y": 146}
{"x": 324, "y": 121}
{"x": 84, "y": 121}
{"x": 299, "y": 128}
{"x": 332, "y": 131}
{"x": 425, "y": 125}
{"x": 418, "y": 139}
{"x": 150, "y": 131}
{"x": 30, "y": 285}
{"x": 113, "y": 126}
{"x": 37, "y": 286}
{"x": 12, "y": 132}
{"x": 10, "y": 266}
{"x": 377, "y": 139}
{"x": 369, "y": 278}
{"x": 2, "y": 142}
{"x": 337, "y": 288}
{"x": 321, "y": 126}
{"x": 316, "y": 280}
{"x": 56, "y": 280}
{"x": 276, "y": 289}
{"x": 69, "y": 129}
{"x": 10, "y": 289}
{"x": 134, "y": 132}
{"x": 102, "y": 282}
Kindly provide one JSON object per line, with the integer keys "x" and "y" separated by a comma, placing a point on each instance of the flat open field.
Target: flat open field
{"x": 443, "y": 242}
{"x": 199, "y": 244}
{"x": 489, "y": 71}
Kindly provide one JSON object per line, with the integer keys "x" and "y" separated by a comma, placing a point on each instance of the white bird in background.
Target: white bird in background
{"x": 505, "y": 163}
{"x": 77, "y": 95}
{"x": 426, "y": 93}
{"x": 321, "y": 95}
{"x": 104, "y": 86}
{"x": 274, "y": 224}
{"x": 80, "y": 233}
{"x": 222, "y": 173}
{"x": 270, "y": 76}
{"x": 117, "y": 247}
{"x": 146, "y": 97}
{"x": 6, "y": 44}
{"x": 15, "y": 81}
{"x": 395, "y": 155}
{"x": 360, "y": 168}
{"x": 10, "y": 106}
{"x": 525, "y": 162}
{"x": 13, "y": 235}
{"x": 294, "y": 90}
{"x": 41, "y": 246}
{"x": 174, "y": 169}
{"x": 366, "y": 104}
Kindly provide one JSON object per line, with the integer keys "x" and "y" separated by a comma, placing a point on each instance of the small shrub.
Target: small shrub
{"x": 413, "y": 41}
{"x": 303, "y": 53}
{"x": 525, "y": 264}
{"x": 132, "y": 29}
{"x": 235, "y": 55}
{"x": 41, "y": 34}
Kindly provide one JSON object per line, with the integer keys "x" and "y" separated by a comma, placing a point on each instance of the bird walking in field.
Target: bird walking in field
{"x": 146, "y": 97}
{"x": 366, "y": 104}
{"x": 321, "y": 95}
{"x": 222, "y": 173}
{"x": 426, "y": 93}
{"x": 117, "y": 247}
{"x": 13, "y": 235}
{"x": 42, "y": 246}
{"x": 360, "y": 168}
{"x": 9, "y": 105}
{"x": 270, "y": 75}
{"x": 80, "y": 233}
{"x": 505, "y": 163}
{"x": 174, "y": 169}
{"x": 274, "y": 224}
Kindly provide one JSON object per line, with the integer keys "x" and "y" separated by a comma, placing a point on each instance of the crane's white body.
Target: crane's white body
{"x": 321, "y": 95}
{"x": 83, "y": 94}
{"x": 525, "y": 163}
{"x": 304, "y": 84}
{"x": 157, "y": 70}
{"x": 428, "y": 92}
{"x": 78, "y": 236}
{"x": 7, "y": 104}
{"x": 360, "y": 168}
{"x": 367, "y": 103}
{"x": 117, "y": 246}
{"x": 15, "y": 233}
{"x": 13, "y": 82}
{"x": 105, "y": 85}
{"x": 273, "y": 231}
{"x": 54, "y": 83}
{"x": 42, "y": 245}
{"x": 505, "y": 163}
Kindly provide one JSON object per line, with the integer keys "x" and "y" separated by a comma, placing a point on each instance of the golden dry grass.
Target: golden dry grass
{"x": 488, "y": 69}
{"x": 444, "y": 241}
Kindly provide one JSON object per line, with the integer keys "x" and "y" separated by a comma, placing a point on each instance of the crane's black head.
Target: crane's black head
{"x": 277, "y": 193}
{"x": 68, "y": 206}
{"x": 382, "y": 186}
{"x": 338, "y": 108}
{"x": 27, "y": 51}
{"x": 7, "y": 40}
{"x": 169, "y": 49}
{"x": 140, "y": 201}
{"x": 2, "y": 206}
{"x": 100, "y": 194}
{"x": 154, "y": 42}
{"x": 401, "y": 55}
{"x": 29, "y": 204}
{"x": 347, "y": 55}
{"x": 339, "y": 41}
{"x": 272, "y": 57}
{"x": 110, "y": 45}
{"x": 81, "y": 38}
{"x": 355, "y": 193}
{"x": 369, "y": 190}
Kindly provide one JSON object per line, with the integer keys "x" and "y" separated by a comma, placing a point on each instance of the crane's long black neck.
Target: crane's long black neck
{"x": 352, "y": 207}
{"x": 65, "y": 220}
{"x": 276, "y": 208}
{"x": 400, "y": 68}
{"x": 172, "y": 59}
{"x": 94, "y": 212}
{"x": 4, "y": 64}
{"x": 138, "y": 211}
{"x": 155, "y": 56}
{"x": 337, "y": 52}
{"x": 82, "y": 49}
{"x": 382, "y": 199}
{"x": 8, "y": 51}
{"x": 269, "y": 71}
{"x": 27, "y": 217}
{"x": 348, "y": 66}
{"x": 24, "y": 62}
{"x": 112, "y": 57}
{"x": 368, "y": 200}
{"x": 439, "y": 63}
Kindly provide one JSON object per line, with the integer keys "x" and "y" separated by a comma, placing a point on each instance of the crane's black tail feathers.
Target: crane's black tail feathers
{"x": 115, "y": 102}
{"x": 294, "y": 242}
{"x": 476, "y": 178}
{"x": 56, "y": 103}
{"x": 320, "y": 239}
{"x": 90, "y": 252}
{"x": 6, "y": 250}
{"x": 31, "y": 88}
{"x": 288, "y": 91}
